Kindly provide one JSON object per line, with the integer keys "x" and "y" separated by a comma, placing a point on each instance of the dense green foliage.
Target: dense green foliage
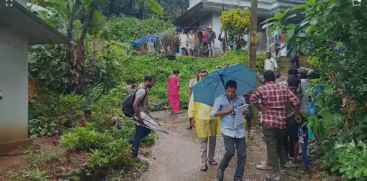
{"x": 236, "y": 23}
{"x": 127, "y": 29}
{"x": 107, "y": 149}
{"x": 48, "y": 65}
{"x": 146, "y": 9}
{"x": 50, "y": 113}
{"x": 333, "y": 34}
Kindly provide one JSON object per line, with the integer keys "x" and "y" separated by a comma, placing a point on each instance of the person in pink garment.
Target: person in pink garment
{"x": 174, "y": 92}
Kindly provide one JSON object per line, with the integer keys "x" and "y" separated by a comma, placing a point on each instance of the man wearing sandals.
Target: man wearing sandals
{"x": 233, "y": 129}
{"x": 207, "y": 128}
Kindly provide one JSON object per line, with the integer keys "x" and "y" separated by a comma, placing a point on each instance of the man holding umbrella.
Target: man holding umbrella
{"x": 222, "y": 91}
{"x": 228, "y": 107}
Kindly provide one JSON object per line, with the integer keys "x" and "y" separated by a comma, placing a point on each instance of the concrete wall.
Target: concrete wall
{"x": 216, "y": 28}
{"x": 14, "y": 83}
{"x": 22, "y": 2}
{"x": 266, "y": 6}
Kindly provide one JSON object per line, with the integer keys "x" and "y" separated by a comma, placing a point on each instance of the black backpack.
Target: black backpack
{"x": 128, "y": 103}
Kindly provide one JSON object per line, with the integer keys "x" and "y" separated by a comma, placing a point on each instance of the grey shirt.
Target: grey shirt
{"x": 211, "y": 36}
{"x": 143, "y": 91}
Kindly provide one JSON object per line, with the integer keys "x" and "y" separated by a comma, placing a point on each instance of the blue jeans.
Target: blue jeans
{"x": 231, "y": 144}
{"x": 140, "y": 133}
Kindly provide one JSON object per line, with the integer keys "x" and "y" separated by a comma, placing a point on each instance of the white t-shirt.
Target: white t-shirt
{"x": 270, "y": 64}
{"x": 192, "y": 83}
{"x": 183, "y": 40}
{"x": 191, "y": 41}
{"x": 305, "y": 101}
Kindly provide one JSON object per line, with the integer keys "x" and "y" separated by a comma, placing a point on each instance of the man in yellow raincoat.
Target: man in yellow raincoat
{"x": 207, "y": 128}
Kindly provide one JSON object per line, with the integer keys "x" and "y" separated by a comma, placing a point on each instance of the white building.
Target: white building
{"x": 204, "y": 13}
{"x": 19, "y": 28}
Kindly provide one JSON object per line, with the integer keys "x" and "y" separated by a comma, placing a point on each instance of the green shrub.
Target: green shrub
{"x": 108, "y": 150}
{"x": 49, "y": 66}
{"x": 85, "y": 139}
{"x": 116, "y": 155}
{"x": 351, "y": 160}
{"x": 127, "y": 29}
{"x": 104, "y": 65}
{"x": 108, "y": 106}
{"x": 51, "y": 113}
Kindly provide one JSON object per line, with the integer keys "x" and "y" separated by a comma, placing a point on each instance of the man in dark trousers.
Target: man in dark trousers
{"x": 211, "y": 39}
{"x": 275, "y": 97}
{"x": 141, "y": 105}
{"x": 228, "y": 107}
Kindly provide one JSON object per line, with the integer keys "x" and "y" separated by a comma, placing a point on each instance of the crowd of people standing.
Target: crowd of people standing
{"x": 283, "y": 107}
{"x": 197, "y": 43}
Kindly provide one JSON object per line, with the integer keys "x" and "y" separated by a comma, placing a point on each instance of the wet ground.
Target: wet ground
{"x": 176, "y": 157}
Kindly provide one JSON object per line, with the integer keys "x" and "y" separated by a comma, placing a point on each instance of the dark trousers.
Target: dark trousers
{"x": 140, "y": 133}
{"x": 231, "y": 144}
{"x": 274, "y": 138}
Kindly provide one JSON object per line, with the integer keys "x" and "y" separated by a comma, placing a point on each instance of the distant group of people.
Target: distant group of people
{"x": 281, "y": 49}
{"x": 197, "y": 43}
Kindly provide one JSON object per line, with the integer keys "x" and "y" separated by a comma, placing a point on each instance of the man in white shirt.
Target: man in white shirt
{"x": 192, "y": 83}
{"x": 270, "y": 63}
{"x": 183, "y": 43}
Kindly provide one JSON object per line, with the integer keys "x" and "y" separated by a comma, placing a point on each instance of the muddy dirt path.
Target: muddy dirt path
{"x": 176, "y": 157}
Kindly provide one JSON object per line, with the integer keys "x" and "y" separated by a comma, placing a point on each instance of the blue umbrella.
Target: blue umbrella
{"x": 213, "y": 85}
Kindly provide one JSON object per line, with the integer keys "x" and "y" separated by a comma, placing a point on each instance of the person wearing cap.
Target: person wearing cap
{"x": 211, "y": 39}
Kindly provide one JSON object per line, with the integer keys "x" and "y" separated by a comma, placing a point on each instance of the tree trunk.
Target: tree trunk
{"x": 253, "y": 35}
{"x": 142, "y": 9}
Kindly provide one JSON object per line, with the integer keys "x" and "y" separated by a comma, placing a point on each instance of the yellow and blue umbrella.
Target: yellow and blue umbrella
{"x": 213, "y": 85}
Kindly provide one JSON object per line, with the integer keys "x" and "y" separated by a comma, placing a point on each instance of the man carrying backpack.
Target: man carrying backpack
{"x": 140, "y": 104}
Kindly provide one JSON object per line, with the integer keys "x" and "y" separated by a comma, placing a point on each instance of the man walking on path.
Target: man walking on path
{"x": 207, "y": 128}
{"x": 141, "y": 105}
{"x": 274, "y": 98}
{"x": 233, "y": 129}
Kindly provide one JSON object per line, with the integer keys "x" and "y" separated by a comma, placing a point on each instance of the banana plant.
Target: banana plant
{"x": 152, "y": 5}
{"x": 73, "y": 17}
